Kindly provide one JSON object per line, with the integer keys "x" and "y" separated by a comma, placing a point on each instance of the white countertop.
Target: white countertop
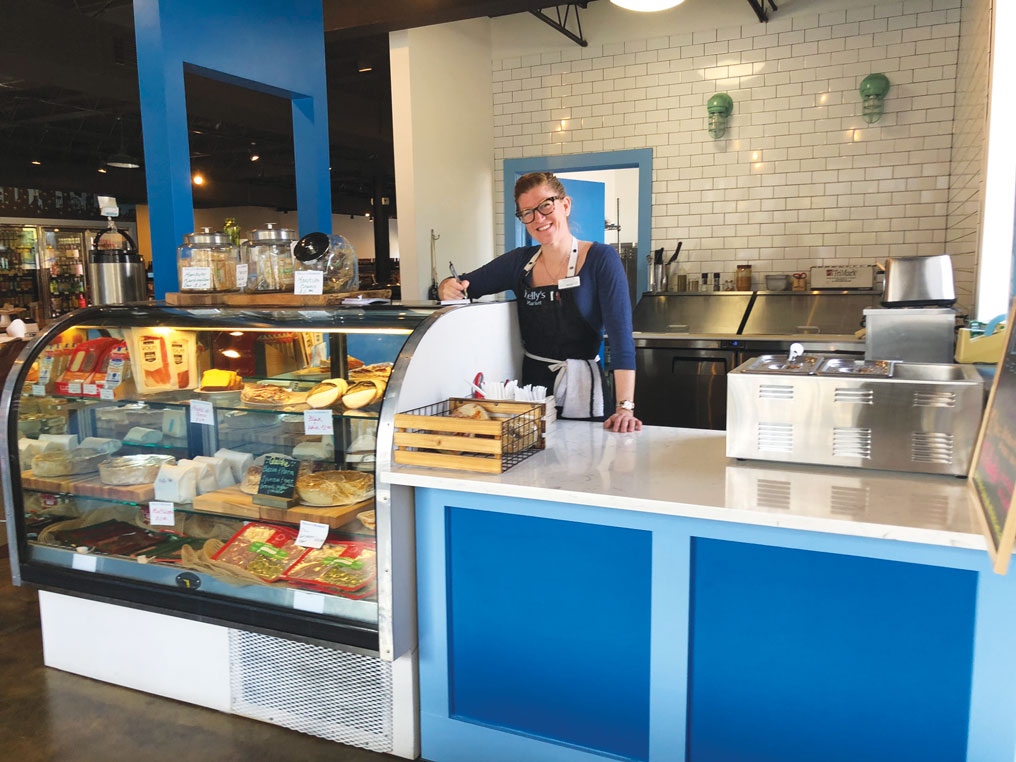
{"x": 685, "y": 472}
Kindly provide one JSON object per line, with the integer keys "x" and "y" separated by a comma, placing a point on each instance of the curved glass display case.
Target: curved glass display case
{"x": 151, "y": 451}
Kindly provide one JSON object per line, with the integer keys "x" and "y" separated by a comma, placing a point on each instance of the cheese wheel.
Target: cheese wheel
{"x": 239, "y": 462}
{"x": 28, "y": 449}
{"x": 220, "y": 467}
{"x": 177, "y": 484}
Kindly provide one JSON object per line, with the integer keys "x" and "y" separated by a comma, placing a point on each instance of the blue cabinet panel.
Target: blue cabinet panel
{"x": 549, "y": 629}
{"x": 797, "y": 655}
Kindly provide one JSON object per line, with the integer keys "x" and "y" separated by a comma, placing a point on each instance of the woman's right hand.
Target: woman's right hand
{"x": 450, "y": 288}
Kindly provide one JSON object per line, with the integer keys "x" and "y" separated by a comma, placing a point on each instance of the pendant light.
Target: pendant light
{"x": 647, "y": 6}
{"x": 121, "y": 158}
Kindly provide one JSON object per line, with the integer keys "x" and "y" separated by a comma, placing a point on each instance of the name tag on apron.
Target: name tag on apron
{"x": 572, "y": 282}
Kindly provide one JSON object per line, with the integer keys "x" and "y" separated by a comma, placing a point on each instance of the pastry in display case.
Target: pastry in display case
{"x": 148, "y": 442}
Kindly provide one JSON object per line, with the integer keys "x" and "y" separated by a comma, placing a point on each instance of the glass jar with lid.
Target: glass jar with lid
{"x": 269, "y": 257}
{"x": 334, "y": 256}
{"x": 742, "y": 278}
{"x": 208, "y": 262}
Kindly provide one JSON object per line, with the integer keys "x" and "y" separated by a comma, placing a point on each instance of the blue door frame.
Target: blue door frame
{"x": 641, "y": 159}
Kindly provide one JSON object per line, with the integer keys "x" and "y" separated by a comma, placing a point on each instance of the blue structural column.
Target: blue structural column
{"x": 272, "y": 47}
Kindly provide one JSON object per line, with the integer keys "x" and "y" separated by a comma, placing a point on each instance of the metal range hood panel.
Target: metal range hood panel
{"x": 790, "y": 314}
{"x": 691, "y": 313}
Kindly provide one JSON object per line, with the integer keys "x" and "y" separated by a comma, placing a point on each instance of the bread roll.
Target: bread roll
{"x": 327, "y": 393}
{"x": 363, "y": 393}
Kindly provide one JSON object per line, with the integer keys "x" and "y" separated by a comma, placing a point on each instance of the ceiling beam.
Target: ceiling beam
{"x": 355, "y": 18}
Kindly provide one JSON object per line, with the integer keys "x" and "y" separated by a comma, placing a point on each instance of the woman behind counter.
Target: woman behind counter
{"x": 568, "y": 291}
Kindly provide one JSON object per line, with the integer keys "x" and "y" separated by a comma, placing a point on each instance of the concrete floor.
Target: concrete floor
{"x": 51, "y": 716}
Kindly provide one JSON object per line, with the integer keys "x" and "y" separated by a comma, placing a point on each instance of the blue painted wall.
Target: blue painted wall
{"x": 273, "y": 47}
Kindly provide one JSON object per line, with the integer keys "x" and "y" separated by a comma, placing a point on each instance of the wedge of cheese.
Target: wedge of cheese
{"x": 239, "y": 462}
{"x": 174, "y": 423}
{"x": 220, "y": 467}
{"x": 206, "y": 475}
{"x": 106, "y": 445}
{"x": 62, "y": 441}
{"x": 177, "y": 484}
{"x": 141, "y": 435}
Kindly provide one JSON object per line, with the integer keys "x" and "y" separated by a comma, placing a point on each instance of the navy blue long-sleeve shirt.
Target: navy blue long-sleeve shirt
{"x": 601, "y": 296}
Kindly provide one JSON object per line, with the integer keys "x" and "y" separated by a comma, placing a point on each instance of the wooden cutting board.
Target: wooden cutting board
{"x": 232, "y": 501}
{"x": 177, "y": 299}
{"x": 88, "y": 485}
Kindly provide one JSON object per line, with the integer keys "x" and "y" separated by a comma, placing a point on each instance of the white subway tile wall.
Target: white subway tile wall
{"x": 966, "y": 185}
{"x": 799, "y": 179}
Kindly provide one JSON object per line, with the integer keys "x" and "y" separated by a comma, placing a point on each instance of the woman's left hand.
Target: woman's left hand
{"x": 623, "y": 421}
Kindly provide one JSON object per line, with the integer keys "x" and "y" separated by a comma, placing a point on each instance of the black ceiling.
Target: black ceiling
{"x": 69, "y": 99}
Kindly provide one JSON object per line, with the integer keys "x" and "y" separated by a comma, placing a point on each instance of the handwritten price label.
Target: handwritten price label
{"x": 308, "y": 282}
{"x": 317, "y": 423}
{"x": 201, "y": 411}
{"x": 312, "y": 534}
{"x": 161, "y": 513}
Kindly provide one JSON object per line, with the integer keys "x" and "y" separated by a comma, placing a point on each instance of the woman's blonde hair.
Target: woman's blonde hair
{"x": 534, "y": 180}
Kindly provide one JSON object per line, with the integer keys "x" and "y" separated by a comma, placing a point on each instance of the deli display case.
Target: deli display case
{"x": 145, "y": 446}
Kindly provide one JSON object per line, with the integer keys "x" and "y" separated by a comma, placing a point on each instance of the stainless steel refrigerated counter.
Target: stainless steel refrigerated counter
{"x": 686, "y": 343}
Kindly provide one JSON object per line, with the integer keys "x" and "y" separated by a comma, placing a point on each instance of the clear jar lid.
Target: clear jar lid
{"x": 270, "y": 233}
{"x": 206, "y": 237}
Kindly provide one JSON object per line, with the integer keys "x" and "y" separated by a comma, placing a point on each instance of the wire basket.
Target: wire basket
{"x": 489, "y": 436}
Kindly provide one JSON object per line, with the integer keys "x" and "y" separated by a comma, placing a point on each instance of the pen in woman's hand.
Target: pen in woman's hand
{"x": 459, "y": 280}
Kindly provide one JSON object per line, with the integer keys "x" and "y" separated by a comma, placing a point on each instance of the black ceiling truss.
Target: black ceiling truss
{"x": 561, "y": 22}
{"x": 759, "y": 6}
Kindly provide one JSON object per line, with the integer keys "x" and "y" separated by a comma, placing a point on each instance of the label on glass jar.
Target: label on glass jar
{"x": 308, "y": 282}
{"x": 196, "y": 278}
{"x": 241, "y": 276}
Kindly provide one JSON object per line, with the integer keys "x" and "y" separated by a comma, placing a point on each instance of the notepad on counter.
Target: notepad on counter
{"x": 361, "y": 300}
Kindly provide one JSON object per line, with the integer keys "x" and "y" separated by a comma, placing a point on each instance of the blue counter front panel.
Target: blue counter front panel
{"x": 552, "y": 632}
{"x": 798, "y": 655}
{"x": 556, "y": 615}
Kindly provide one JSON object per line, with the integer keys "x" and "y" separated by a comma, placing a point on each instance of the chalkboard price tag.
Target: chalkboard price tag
{"x": 278, "y": 476}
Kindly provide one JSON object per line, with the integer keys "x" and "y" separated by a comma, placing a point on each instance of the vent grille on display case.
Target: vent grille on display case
{"x": 855, "y": 396}
{"x": 934, "y": 399}
{"x": 848, "y": 501}
{"x": 323, "y": 692}
{"x": 929, "y": 447}
{"x": 776, "y": 437}
{"x": 852, "y": 443}
{"x": 773, "y": 493}
{"x": 775, "y": 392}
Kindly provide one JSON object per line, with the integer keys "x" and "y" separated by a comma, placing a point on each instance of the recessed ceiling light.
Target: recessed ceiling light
{"x": 36, "y": 163}
{"x": 365, "y": 69}
{"x": 198, "y": 179}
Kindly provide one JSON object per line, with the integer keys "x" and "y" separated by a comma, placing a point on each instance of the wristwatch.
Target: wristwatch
{"x": 627, "y": 405}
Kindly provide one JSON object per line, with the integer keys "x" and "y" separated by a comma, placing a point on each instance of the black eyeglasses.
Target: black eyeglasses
{"x": 545, "y": 207}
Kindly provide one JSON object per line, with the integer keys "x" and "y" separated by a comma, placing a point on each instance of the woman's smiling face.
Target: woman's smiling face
{"x": 546, "y": 228}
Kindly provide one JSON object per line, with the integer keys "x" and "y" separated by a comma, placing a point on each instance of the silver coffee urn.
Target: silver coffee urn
{"x": 116, "y": 272}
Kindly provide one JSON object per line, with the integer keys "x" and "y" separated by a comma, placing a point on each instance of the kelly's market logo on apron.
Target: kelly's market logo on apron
{"x": 537, "y": 297}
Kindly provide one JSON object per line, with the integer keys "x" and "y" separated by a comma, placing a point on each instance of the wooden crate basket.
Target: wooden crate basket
{"x": 432, "y": 436}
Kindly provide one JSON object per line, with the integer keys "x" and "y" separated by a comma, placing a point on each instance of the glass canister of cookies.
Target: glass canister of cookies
{"x": 334, "y": 256}
{"x": 209, "y": 262}
{"x": 269, "y": 257}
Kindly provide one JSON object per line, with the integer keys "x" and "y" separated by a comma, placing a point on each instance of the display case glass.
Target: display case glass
{"x": 153, "y": 452}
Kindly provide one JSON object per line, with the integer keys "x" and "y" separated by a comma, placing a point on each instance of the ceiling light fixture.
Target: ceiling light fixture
{"x": 36, "y": 163}
{"x": 363, "y": 67}
{"x": 198, "y": 179}
{"x": 647, "y": 6}
{"x": 102, "y": 171}
{"x": 121, "y": 159}
{"x": 254, "y": 155}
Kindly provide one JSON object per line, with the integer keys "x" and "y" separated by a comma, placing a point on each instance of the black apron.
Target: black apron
{"x": 552, "y": 327}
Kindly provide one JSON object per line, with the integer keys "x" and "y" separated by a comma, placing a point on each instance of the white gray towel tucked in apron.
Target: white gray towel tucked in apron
{"x": 577, "y": 387}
